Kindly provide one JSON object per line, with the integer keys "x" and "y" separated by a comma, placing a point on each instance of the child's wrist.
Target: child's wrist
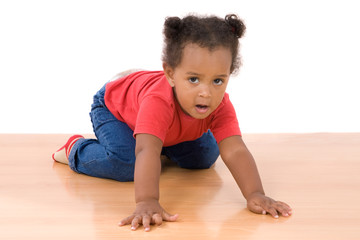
{"x": 146, "y": 199}
{"x": 254, "y": 194}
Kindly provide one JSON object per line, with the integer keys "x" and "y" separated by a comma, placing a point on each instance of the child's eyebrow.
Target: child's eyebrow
{"x": 193, "y": 73}
{"x": 198, "y": 74}
{"x": 222, "y": 75}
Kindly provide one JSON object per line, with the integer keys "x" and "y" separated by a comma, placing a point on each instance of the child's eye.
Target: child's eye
{"x": 218, "y": 81}
{"x": 193, "y": 80}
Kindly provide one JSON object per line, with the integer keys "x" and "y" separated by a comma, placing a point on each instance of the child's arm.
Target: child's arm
{"x": 147, "y": 174}
{"x": 242, "y": 166}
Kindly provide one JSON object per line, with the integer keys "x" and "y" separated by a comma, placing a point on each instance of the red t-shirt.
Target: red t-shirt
{"x": 145, "y": 102}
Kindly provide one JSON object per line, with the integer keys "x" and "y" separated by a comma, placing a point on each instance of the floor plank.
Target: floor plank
{"x": 317, "y": 174}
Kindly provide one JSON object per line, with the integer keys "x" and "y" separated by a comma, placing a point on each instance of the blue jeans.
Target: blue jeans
{"x": 112, "y": 154}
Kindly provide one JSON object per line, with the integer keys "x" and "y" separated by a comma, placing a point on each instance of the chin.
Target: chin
{"x": 200, "y": 116}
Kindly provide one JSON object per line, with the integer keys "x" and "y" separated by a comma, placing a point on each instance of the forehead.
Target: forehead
{"x": 201, "y": 59}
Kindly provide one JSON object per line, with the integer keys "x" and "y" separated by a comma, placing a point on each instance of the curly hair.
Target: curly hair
{"x": 207, "y": 32}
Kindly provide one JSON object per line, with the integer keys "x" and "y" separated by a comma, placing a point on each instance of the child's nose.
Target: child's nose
{"x": 204, "y": 91}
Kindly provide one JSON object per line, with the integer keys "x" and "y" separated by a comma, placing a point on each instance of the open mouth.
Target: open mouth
{"x": 202, "y": 108}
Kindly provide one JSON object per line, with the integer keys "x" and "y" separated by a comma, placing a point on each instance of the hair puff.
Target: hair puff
{"x": 172, "y": 27}
{"x": 236, "y": 25}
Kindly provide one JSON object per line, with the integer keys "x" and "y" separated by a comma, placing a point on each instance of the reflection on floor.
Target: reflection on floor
{"x": 317, "y": 174}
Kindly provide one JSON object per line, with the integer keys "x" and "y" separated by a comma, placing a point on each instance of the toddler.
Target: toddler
{"x": 182, "y": 112}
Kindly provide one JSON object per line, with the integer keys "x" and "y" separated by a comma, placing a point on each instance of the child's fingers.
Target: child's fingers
{"x": 272, "y": 211}
{"x": 284, "y": 209}
{"x": 284, "y": 205}
{"x": 135, "y": 222}
{"x": 168, "y": 217}
{"x": 263, "y": 207}
{"x": 126, "y": 221}
{"x": 157, "y": 219}
{"x": 146, "y": 222}
{"x": 256, "y": 209}
{"x": 278, "y": 207}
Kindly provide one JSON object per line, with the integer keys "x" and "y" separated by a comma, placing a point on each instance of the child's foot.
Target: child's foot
{"x": 62, "y": 155}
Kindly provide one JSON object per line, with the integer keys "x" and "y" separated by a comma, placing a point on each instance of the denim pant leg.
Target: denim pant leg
{"x": 112, "y": 154}
{"x": 198, "y": 154}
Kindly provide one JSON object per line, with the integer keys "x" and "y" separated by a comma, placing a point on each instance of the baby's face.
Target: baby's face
{"x": 200, "y": 79}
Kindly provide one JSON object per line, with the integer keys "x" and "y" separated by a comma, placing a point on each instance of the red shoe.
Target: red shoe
{"x": 68, "y": 145}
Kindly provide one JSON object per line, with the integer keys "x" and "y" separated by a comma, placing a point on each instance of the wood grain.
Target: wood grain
{"x": 317, "y": 174}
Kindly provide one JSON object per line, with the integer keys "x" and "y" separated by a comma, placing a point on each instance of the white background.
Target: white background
{"x": 300, "y": 68}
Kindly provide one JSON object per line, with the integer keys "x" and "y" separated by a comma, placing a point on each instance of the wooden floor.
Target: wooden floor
{"x": 317, "y": 174}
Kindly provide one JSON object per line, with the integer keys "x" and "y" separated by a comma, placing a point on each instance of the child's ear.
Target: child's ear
{"x": 169, "y": 73}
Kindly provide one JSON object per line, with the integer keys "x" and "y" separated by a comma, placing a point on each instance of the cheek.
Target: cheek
{"x": 220, "y": 95}
{"x": 184, "y": 88}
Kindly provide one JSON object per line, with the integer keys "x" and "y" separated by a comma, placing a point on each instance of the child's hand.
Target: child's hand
{"x": 259, "y": 203}
{"x": 146, "y": 213}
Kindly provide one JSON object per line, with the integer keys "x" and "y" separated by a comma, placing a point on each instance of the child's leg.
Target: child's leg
{"x": 199, "y": 154}
{"x": 112, "y": 154}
